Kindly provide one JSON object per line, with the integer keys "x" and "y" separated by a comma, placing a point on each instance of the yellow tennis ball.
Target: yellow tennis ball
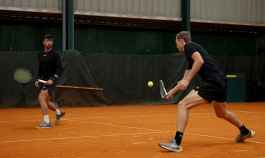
{"x": 150, "y": 84}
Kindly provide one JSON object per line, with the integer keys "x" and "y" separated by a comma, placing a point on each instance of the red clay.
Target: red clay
{"x": 129, "y": 131}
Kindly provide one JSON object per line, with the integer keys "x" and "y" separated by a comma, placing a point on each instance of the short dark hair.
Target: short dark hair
{"x": 185, "y": 35}
{"x": 47, "y": 36}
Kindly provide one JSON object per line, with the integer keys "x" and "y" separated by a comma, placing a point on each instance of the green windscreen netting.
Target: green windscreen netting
{"x": 124, "y": 78}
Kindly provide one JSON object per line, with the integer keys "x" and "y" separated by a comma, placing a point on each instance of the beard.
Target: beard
{"x": 48, "y": 46}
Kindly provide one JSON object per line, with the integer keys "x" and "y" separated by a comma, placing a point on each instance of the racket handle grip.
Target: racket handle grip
{"x": 168, "y": 97}
{"x": 42, "y": 81}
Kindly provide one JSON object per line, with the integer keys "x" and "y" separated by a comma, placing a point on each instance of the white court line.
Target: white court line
{"x": 78, "y": 118}
{"x": 105, "y": 124}
{"x": 164, "y": 131}
{"x": 30, "y": 116}
{"x": 29, "y": 140}
{"x": 21, "y": 120}
{"x": 153, "y": 132}
{"x": 159, "y": 113}
{"x": 202, "y": 135}
{"x": 109, "y": 135}
{"x": 101, "y": 117}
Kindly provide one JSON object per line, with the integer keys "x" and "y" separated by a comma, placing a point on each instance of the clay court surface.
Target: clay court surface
{"x": 129, "y": 131}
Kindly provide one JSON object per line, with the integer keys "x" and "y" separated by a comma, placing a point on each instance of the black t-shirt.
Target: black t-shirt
{"x": 49, "y": 64}
{"x": 209, "y": 70}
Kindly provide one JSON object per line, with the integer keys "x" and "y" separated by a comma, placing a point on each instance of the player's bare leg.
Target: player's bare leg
{"x": 44, "y": 107}
{"x": 59, "y": 114}
{"x": 220, "y": 110}
{"x": 42, "y": 100}
{"x": 190, "y": 101}
{"x": 50, "y": 104}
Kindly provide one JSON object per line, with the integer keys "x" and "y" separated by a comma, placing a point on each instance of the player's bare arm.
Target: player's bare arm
{"x": 188, "y": 76}
{"x": 185, "y": 74}
{"x": 173, "y": 91}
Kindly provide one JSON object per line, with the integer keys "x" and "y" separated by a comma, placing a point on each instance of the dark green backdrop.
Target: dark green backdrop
{"x": 27, "y": 36}
{"x": 109, "y": 48}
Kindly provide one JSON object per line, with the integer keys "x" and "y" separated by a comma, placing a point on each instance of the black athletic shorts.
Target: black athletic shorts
{"x": 213, "y": 90}
{"x": 50, "y": 87}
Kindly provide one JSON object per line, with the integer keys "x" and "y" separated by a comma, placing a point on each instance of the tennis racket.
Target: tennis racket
{"x": 163, "y": 91}
{"x": 23, "y": 75}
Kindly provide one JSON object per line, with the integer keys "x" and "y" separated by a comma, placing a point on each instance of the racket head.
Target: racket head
{"x": 163, "y": 91}
{"x": 22, "y": 75}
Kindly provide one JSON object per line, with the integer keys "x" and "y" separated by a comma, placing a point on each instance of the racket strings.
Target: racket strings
{"x": 22, "y": 76}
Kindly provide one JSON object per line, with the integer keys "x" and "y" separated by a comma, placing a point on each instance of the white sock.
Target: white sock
{"x": 58, "y": 112}
{"x": 46, "y": 118}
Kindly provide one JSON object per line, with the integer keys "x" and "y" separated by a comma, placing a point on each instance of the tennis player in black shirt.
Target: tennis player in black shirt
{"x": 212, "y": 90}
{"x": 50, "y": 68}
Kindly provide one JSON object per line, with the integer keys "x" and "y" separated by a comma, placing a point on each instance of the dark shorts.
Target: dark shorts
{"x": 213, "y": 90}
{"x": 50, "y": 87}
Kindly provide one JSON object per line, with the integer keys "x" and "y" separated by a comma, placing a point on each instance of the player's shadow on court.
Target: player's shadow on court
{"x": 24, "y": 126}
